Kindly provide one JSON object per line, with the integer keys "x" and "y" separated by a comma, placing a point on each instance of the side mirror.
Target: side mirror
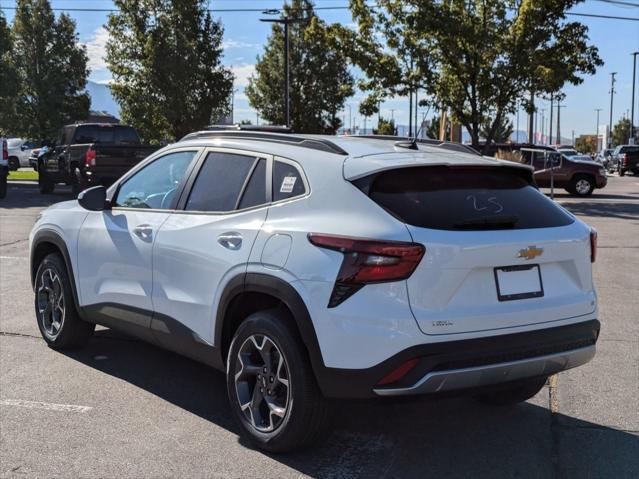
{"x": 93, "y": 199}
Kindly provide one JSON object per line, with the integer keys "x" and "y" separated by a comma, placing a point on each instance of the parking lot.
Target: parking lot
{"x": 122, "y": 408}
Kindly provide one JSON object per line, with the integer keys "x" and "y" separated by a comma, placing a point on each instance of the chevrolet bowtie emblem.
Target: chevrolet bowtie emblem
{"x": 530, "y": 253}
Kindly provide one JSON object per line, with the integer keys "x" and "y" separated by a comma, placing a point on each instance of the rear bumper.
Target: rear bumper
{"x": 469, "y": 364}
{"x": 491, "y": 374}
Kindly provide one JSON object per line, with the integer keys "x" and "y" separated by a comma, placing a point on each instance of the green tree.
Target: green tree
{"x": 484, "y": 55}
{"x": 320, "y": 81}
{"x": 385, "y": 127}
{"x": 501, "y": 134}
{"x": 621, "y": 132}
{"x": 433, "y": 128}
{"x": 8, "y": 78}
{"x": 586, "y": 144}
{"x": 165, "y": 57}
{"x": 51, "y": 70}
{"x": 395, "y": 58}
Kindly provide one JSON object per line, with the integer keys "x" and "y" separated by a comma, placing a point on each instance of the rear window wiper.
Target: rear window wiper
{"x": 487, "y": 222}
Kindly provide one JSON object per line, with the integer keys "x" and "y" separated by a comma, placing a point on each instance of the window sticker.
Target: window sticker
{"x": 287, "y": 184}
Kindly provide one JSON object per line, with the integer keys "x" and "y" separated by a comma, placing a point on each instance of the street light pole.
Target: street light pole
{"x": 597, "y": 128}
{"x": 612, "y": 96}
{"x": 551, "y": 115}
{"x": 286, "y": 21}
{"x": 559, "y": 107}
{"x": 632, "y": 107}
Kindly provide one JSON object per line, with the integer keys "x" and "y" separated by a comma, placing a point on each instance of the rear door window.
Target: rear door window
{"x": 220, "y": 182}
{"x": 453, "y": 198}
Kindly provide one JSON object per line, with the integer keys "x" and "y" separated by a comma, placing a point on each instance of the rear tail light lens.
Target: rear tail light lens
{"x": 89, "y": 157}
{"x": 625, "y": 160}
{"x": 368, "y": 261}
{"x": 5, "y": 151}
{"x": 593, "y": 245}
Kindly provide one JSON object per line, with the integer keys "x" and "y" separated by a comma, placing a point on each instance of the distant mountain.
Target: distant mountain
{"x": 101, "y": 98}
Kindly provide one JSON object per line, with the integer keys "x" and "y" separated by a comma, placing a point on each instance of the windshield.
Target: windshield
{"x": 569, "y": 152}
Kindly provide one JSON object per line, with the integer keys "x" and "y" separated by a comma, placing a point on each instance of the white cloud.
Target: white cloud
{"x": 228, "y": 44}
{"x": 242, "y": 74}
{"x": 96, "y": 49}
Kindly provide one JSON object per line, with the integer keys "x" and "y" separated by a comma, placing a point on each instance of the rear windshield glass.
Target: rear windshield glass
{"x": 106, "y": 134}
{"x": 448, "y": 198}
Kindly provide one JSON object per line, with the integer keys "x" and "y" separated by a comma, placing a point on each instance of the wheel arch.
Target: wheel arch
{"x": 252, "y": 292}
{"x": 46, "y": 242}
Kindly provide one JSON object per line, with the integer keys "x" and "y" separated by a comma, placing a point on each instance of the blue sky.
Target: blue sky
{"x": 245, "y": 36}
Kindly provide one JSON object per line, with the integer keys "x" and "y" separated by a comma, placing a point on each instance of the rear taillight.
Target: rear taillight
{"x": 368, "y": 261}
{"x": 625, "y": 160}
{"x": 5, "y": 151}
{"x": 89, "y": 157}
{"x": 593, "y": 245}
{"x": 398, "y": 373}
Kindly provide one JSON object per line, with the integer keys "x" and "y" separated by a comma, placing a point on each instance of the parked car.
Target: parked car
{"x": 4, "y": 167}
{"x": 315, "y": 267}
{"x": 19, "y": 152}
{"x": 88, "y": 154}
{"x": 608, "y": 160}
{"x": 627, "y": 158}
{"x": 577, "y": 174}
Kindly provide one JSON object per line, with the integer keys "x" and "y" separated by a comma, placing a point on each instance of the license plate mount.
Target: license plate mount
{"x": 518, "y": 282}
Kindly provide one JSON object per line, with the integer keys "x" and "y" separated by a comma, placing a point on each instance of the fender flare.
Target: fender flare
{"x": 283, "y": 291}
{"x": 51, "y": 236}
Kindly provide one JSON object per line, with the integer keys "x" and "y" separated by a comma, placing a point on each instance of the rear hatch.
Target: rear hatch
{"x": 499, "y": 254}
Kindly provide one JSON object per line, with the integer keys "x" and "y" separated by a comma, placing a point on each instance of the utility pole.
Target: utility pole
{"x": 350, "y": 119}
{"x": 416, "y": 105}
{"x": 393, "y": 114}
{"x": 612, "y": 96}
{"x": 597, "y": 128}
{"x": 543, "y": 124}
{"x": 286, "y": 21}
{"x": 517, "y": 127}
{"x": 632, "y": 107}
{"x": 552, "y": 97}
{"x": 531, "y": 119}
{"x": 559, "y": 107}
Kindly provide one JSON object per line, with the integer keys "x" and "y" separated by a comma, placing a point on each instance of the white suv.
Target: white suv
{"x": 316, "y": 267}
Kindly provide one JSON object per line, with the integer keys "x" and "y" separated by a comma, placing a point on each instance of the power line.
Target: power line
{"x": 260, "y": 10}
{"x": 618, "y": 2}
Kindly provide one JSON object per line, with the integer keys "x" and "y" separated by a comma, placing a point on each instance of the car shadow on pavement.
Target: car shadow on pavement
{"x": 455, "y": 437}
{"x": 626, "y": 211}
{"x": 24, "y": 195}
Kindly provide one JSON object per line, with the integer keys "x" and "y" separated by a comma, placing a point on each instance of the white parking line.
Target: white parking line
{"x": 13, "y": 257}
{"x": 44, "y": 405}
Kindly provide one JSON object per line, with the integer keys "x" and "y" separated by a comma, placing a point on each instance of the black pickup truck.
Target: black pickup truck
{"x": 89, "y": 154}
{"x": 627, "y": 158}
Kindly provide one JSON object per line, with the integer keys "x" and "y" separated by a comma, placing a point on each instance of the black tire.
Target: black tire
{"x": 14, "y": 163}
{"x": 305, "y": 415}
{"x": 45, "y": 183}
{"x": 513, "y": 393}
{"x": 3, "y": 186}
{"x": 622, "y": 172}
{"x": 577, "y": 185}
{"x": 52, "y": 292}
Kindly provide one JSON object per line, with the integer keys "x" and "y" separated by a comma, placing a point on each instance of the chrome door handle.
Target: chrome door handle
{"x": 230, "y": 240}
{"x": 143, "y": 231}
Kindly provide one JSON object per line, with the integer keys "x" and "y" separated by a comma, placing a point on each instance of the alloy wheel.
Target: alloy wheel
{"x": 582, "y": 187}
{"x": 51, "y": 307}
{"x": 262, "y": 383}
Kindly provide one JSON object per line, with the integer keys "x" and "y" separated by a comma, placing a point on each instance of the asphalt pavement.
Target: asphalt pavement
{"x": 122, "y": 408}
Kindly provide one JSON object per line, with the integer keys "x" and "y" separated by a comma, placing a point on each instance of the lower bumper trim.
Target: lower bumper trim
{"x": 465, "y": 378}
